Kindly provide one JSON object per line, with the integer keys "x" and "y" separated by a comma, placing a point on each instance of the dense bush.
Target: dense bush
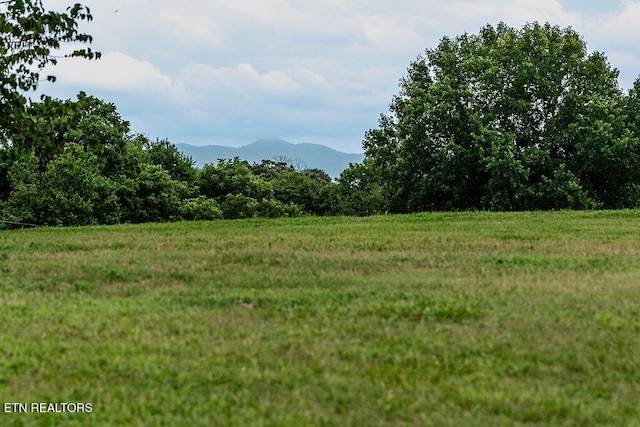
{"x": 153, "y": 196}
{"x": 359, "y": 192}
{"x": 311, "y": 189}
{"x": 235, "y": 206}
{"x": 69, "y": 191}
{"x": 200, "y": 209}
{"x": 271, "y": 208}
{"x": 232, "y": 177}
{"x": 164, "y": 153}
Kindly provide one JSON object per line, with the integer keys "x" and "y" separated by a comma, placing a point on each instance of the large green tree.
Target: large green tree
{"x": 508, "y": 119}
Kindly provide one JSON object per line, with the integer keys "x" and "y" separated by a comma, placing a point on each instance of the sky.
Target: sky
{"x": 230, "y": 72}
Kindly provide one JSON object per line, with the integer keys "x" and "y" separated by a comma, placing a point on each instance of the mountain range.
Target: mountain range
{"x": 313, "y": 156}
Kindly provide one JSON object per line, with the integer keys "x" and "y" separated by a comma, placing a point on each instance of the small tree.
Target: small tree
{"x": 232, "y": 177}
{"x": 165, "y": 154}
{"x": 359, "y": 191}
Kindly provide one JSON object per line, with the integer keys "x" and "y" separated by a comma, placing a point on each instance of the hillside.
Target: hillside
{"x": 315, "y": 156}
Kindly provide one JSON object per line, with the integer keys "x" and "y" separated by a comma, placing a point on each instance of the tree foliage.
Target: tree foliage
{"x": 70, "y": 191}
{"x": 30, "y": 37}
{"x": 164, "y": 153}
{"x": 232, "y": 177}
{"x": 200, "y": 209}
{"x": 359, "y": 191}
{"x": 311, "y": 189}
{"x": 508, "y": 120}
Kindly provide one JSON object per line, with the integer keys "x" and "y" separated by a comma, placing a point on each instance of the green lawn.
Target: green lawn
{"x": 435, "y": 319}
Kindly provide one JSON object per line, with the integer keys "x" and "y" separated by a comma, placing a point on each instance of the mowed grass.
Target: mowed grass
{"x": 453, "y": 319}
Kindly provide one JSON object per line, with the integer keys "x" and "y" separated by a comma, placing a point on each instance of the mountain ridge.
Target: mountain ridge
{"x": 315, "y": 156}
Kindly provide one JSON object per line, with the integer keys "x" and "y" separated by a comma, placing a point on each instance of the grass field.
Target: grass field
{"x": 436, "y": 319}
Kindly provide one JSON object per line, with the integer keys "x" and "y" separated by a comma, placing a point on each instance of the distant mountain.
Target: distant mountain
{"x": 314, "y": 156}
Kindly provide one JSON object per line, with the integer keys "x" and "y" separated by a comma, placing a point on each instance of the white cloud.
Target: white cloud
{"x": 618, "y": 27}
{"x": 192, "y": 28}
{"x": 519, "y": 12}
{"x": 615, "y": 33}
{"x": 241, "y": 83}
{"x": 472, "y": 10}
{"x": 216, "y": 70}
{"x": 115, "y": 71}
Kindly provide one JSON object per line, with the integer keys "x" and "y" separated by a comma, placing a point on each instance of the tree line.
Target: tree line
{"x": 95, "y": 171}
{"x": 77, "y": 162}
{"x": 506, "y": 119}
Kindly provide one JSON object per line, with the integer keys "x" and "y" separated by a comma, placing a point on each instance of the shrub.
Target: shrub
{"x": 200, "y": 209}
{"x": 237, "y": 206}
{"x": 270, "y": 208}
{"x": 70, "y": 191}
{"x": 152, "y": 196}
{"x": 232, "y": 177}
